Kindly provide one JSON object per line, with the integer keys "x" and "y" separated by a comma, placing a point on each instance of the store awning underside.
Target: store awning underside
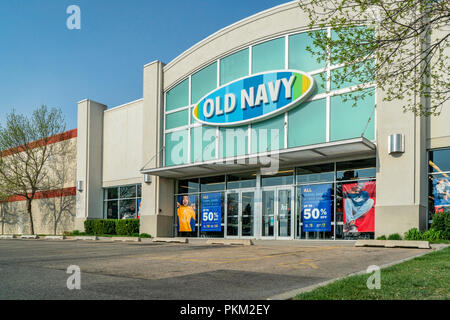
{"x": 358, "y": 147}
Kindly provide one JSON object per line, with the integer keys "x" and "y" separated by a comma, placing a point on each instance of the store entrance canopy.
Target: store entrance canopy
{"x": 358, "y": 147}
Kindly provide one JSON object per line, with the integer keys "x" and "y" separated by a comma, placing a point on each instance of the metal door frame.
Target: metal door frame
{"x": 240, "y": 192}
{"x": 276, "y": 190}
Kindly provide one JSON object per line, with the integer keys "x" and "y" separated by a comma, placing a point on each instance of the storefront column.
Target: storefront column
{"x": 158, "y": 195}
{"x": 89, "y": 198}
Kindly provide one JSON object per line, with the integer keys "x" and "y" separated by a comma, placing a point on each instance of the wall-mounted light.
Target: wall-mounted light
{"x": 80, "y": 185}
{"x": 147, "y": 178}
{"x": 396, "y": 143}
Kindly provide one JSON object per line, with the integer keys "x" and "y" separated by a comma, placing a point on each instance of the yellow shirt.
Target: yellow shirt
{"x": 185, "y": 214}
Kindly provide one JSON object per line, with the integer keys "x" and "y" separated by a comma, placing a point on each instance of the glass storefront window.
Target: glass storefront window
{"x": 234, "y": 66}
{"x": 315, "y": 173}
{"x": 307, "y": 124}
{"x": 352, "y": 170}
{"x": 241, "y": 181}
{"x": 268, "y": 56}
{"x": 122, "y": 202}
{"x": 188, "y": 186}
{"x": 178, "y": 97}
{"x": 177, "y": 145}
{"x": 268, "y": 135}
{"x": 212, "y": 184}
{"x": 111, "y": 209}
{"x": 347, "y": 121}
{"x": 203, "y": 82}
{"x": 128, "y": 192}
{"x": 299, "y": 57}
{"x": 177, "y": 119}
{"x": 439, "y": 160}
{"x": 281, "y": 178}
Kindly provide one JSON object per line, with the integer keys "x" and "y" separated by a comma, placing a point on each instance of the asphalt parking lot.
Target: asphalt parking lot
{"x": 37, "y": 269}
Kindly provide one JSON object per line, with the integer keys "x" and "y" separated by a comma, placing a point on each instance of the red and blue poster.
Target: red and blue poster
{"x": 316, "y": 208}
{"x": 211, "y": 212}
{"x": 359, "y": 206}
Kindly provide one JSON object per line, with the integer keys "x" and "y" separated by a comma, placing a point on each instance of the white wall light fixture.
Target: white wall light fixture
{"x": 396, "y": 143}
{"x": 79, "y": 185}
{"x": 147, "y": 178}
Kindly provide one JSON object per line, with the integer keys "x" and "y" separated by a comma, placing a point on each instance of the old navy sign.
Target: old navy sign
{"x": 254, "y": 98}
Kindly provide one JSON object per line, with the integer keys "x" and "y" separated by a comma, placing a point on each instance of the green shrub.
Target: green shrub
{"x": 144, "y": 235}
{"x": 441, "y": 222}
{"x": 104, "y": 226}
{"x": 127, "y": 227}
{"x": 100, "y": 226}
{"x": 89, "y": 226}
{"x": 394, "y": 236}
{"x": 75, "y": 233}
{"x": 433, "y": 235}
{"x": 413, "y": 234}
{"x": 383, "y": 237}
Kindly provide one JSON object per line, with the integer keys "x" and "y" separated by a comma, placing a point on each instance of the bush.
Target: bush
{"x": 127, "y": 227}
{"x": 89, "y": 226}
{"x": 104, "y": 226}
{"x": 413, "y": 234}
{"x": 383, "y": 237}
{"x": 394, "y": 236}
{"x": 100, "y": 226}
{"x": 144, "y": 235}
{"x": 75, "y": 233}
{"x": 441, "y": 222}
{"x": 433, "y": 235}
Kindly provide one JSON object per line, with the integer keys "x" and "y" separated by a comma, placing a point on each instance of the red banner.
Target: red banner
{"x": 359, "y": 206}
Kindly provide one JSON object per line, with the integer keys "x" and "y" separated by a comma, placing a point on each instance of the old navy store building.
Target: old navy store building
{"x": 240, "y": 137}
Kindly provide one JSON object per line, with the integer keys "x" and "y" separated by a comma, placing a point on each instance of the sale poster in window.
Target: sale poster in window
{"x": 211, "y": 212}
{"x": 359, "y": 206}
{"x": 316, "y": 208}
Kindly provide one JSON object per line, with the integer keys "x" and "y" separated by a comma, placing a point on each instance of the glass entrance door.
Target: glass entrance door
{"x": 240, "y": 214}
{"x": 277, "y": 209}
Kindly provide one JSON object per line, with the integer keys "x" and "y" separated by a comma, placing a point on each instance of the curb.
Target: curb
{"x": 126, "y": 239}
{"x": 292, "y": 293}
{"x": 29, "y": 236}
{"x": 171, "y": 240}
{"x": 7, "y": 236}
{"x": 55, "y": 237}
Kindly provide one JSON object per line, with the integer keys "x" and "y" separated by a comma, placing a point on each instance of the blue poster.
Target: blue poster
{"x": 316, "y": 207}
{"x": 211, "y": 212}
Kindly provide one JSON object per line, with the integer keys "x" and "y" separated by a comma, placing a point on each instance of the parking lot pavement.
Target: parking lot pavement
{"x": 37, "y": 269}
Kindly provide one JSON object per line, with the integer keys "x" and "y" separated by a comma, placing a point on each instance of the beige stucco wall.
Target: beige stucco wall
{"x": 122, "y": 144}
{"x": 60, "y": 172}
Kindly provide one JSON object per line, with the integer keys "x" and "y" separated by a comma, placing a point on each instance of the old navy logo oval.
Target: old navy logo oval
{"x": 254, "y": 98}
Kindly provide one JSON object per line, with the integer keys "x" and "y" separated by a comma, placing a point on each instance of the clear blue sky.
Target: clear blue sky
{"x": 43, "y": 62}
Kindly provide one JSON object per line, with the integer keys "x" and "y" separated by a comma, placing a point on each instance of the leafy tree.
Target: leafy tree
{"x": 402, "y": 46}
{"x": 60, "y": 209}
{"x": 27, "y": 146}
